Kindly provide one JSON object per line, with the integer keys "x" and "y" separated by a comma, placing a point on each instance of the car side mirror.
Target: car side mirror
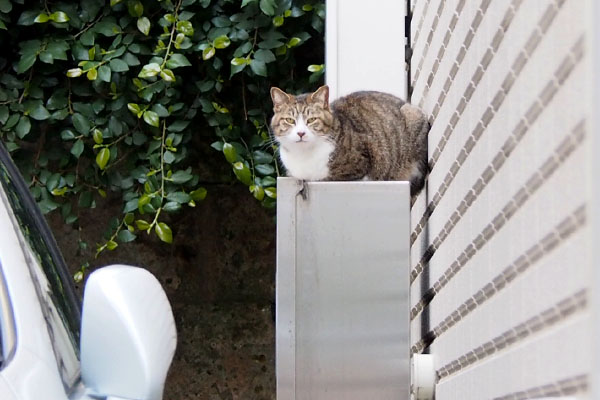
{"x": 128, "y": 334}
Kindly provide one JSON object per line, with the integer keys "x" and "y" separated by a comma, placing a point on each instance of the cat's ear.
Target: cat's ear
{"x": 279, "y": 97}
{"x": 321, "y": 96}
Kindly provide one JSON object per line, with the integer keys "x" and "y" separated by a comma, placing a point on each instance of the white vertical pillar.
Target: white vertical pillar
{"x": 365, "y": 47}
{"x": 593, "y": 207}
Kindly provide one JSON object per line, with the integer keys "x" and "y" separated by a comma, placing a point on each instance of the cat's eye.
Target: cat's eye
{"x": 290, "y": 121}
{"x": 311, "y": 120}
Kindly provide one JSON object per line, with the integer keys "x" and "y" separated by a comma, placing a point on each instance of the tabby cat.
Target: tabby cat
{"x": 365, "y": 135}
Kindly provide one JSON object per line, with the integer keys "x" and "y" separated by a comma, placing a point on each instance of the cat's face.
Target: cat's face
{"x": 303, "y": 121}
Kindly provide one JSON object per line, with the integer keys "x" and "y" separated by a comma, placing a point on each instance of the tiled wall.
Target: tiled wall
{"x": 501, "y": 267}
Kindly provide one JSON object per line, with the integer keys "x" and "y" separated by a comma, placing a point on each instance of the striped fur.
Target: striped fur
{"x": 369, "y": 135}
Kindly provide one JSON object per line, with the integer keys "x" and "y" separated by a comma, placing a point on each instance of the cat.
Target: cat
{"x": 362, "y": 136}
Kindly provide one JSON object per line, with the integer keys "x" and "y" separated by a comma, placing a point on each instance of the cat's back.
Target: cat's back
{"x": 367, "y": 103}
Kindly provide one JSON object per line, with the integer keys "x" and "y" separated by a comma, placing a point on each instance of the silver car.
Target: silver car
{"x": 118, "y": 345}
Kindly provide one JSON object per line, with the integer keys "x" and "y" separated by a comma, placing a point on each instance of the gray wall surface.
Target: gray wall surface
{"x": 501, "y": 270}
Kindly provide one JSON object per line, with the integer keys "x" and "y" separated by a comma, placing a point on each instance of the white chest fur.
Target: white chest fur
{"x": 307, "y": 161}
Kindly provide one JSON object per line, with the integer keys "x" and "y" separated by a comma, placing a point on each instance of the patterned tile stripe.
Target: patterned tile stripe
{"x": 498, "y": 160}
{"x": 544, "y": 172}
{"x": 565, "y": 387}
{"x": 420, "y": 26}
{"x": 485, "y": 119}
{"x": 462, "y": 52}
{"x": 546, "y": 319}
{"x": 434, "y": 25}
{"x": 521, "y": 264}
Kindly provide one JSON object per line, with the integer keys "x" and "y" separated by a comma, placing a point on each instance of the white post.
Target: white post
{"x": 365, "y": 47}
{"x": 593, "y": 208}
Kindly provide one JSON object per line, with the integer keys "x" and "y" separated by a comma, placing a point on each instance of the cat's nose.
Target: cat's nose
{"x": 301, "y": 134}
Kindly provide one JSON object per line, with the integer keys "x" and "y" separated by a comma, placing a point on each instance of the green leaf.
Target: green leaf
{"x": 293, "y": 42}
{"x": 257, "y": 191}
{"x": 270, "y": 44}
{"x": 264, "y": 55}
{"x": 268, "y": 7}
{"x": 97, "y": 136}
{"x": 151, "y": 118}
{"x": 278, "y": 21}
{"x": 199, "y": 194}
{"x": 242, "y": 172}
{"x": 67, "y": 134}
{"x": 5, "y": 6}
{"x": 52, "y": 182}
{"x": 181, "y": 177}
{"x": 160, "y": 110}
{"x": 218, "y": 146}
{"x": 74, "y": 72}
{"x": 128, "y": 219}
{"x": 179, "y": 197}
{"x": 111, "y": 245}
{"x": 169, "y": 157}
{"x": 3, "y": 114}
{"x": 167, "y": 75}
{"x": 271, "y": 192}
{"x": 81, "y": 123}
{"x": 118, "y": 65}
{"x": 258, "y": 67}
{"x": 177, "y": 60}
{"x": 28, "y": 17}
{"x": 125, "y": 236}
{"x": 143, "y": 25}
{"x": 41, "y": 18}
{"x": 134, "y": 108}
{"x": 264, "y": 169}
{"x": 23, "y": 127}
{"x": 107, "y": 28}
{"x": 246, "y": 2}
{"x": 262, "y": 157}
{"x": 142, "y": 225}
{"x": 172, "y": 206}
{"x": 26, "y": 62}
{"x": 104, "y": 73}
{"x": 208, "y": 53}
{"x": 315, "y": 67}
{"x": 149, "y": 70}
{"x": 77, "y": 148}
{"x": 163, "y": 232}
{"x": 185, "y": 27}
{"x": 12, "y": 121}
{"x": 92, "y": 74}
{"x": 221, "y": 42}
{"x": 239, "y": 61}
{"x": 37, "y": 110}
{"x": 47, "y": 205}
{"x": 230, "y": 153}
{"x": 102, "y": 157}
{"x": 59, "y": 17}
{"x": 178, "y": 126}
{"x": 135, "y": 8}
{"x": 269, "y": 181}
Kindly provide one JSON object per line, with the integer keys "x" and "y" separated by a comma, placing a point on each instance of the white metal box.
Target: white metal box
{"x": 342, "y": 290}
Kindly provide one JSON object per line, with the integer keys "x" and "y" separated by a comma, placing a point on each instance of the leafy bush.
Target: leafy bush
{"x": 99, "y": 97}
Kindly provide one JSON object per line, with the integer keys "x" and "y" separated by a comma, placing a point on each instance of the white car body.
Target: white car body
{"x": 128, "y": 335}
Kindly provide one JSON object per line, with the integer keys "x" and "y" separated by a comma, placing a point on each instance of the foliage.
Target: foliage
{"x": 100, "y": 98}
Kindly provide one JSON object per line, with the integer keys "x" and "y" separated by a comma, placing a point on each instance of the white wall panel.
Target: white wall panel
{"x": 501, "y": 268}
